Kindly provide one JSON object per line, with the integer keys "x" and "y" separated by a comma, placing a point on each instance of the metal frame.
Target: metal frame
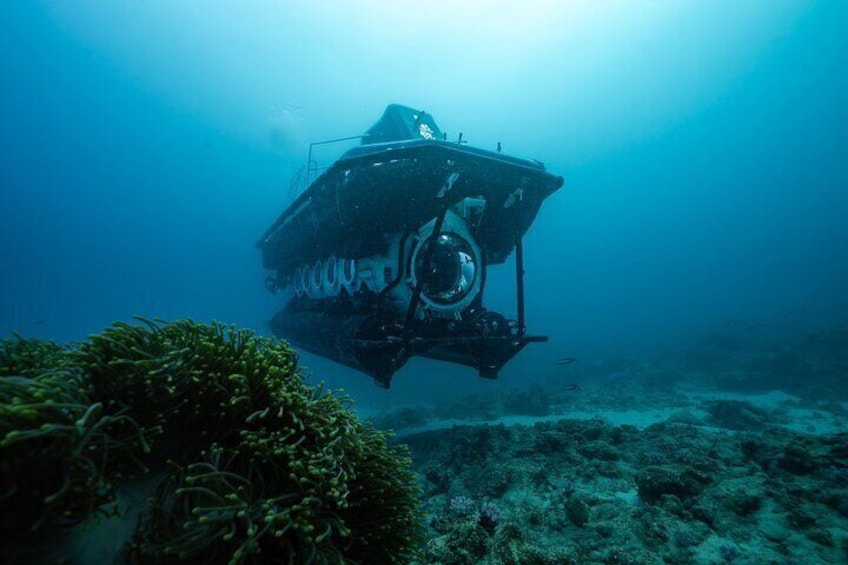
{"x": 408, "y": 343}
{"x": 309, "y": 162}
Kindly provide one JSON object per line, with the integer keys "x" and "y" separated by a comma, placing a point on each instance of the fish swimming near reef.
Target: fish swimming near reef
{"x": 565, "y": 389}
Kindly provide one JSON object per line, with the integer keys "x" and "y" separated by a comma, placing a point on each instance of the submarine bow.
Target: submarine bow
{"x": 384, "y": 255}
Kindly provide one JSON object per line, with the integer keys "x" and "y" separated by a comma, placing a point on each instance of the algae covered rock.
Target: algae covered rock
{"x": 654, "y": 482}
{"x": 577, "y": 511}
{"x": 709, "y": 499}
{"x": 737, "y": 415}
{"x": 250, "y": 463}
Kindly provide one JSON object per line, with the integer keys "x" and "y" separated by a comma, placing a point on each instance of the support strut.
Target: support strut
{"x": 519, "y": 283}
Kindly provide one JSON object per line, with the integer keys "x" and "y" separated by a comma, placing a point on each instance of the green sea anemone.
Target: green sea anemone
{"x": 251, "y": 463}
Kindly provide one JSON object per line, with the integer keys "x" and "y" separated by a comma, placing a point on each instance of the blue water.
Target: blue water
{"x": 145, "y": 147}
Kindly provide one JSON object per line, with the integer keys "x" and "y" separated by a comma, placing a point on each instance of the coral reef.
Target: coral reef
{"x": 598, "y": 493}
{"x": 249, "y": 464}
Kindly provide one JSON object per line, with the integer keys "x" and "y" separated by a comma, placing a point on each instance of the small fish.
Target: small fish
{"x": 571, "y": 387}
{"x": 566, "y": 361}
{"x": 40, "y": 322}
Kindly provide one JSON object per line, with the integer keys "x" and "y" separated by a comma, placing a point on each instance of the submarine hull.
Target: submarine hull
{"x": 384, "y": 255}
{"x": 379, "y": 190}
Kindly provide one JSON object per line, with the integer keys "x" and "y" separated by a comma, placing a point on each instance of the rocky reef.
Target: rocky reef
{"x": 588, "y": 492}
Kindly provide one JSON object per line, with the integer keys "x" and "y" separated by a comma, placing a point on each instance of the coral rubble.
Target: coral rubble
{"x": 587, "y": 492}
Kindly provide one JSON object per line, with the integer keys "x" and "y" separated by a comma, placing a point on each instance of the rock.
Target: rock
{"x": 736, "y": 415}
{"x": 797, "y": 460}
{"x": 821, "y": 536}
{"x": 577, "y": 511}
{"x": 838, "y": 500}
{"x": 746, "y": 504}
{"x": 654, "y": 482}
{"x": 773, "y": 528}
{"x": 599, "y": 450}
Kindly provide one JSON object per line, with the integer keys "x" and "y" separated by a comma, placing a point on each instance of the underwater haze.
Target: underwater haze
{"x": 689, "y": 406}
{"x": 146, "y": 146}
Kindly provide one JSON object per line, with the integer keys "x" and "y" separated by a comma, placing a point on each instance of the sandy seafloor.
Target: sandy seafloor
{"x": 639, "y": 470}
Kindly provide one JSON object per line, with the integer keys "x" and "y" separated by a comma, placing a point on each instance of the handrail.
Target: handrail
{"x": 309, "y": 162}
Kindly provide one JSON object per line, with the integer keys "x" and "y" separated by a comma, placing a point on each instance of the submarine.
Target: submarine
{"x": 384, "y": 255}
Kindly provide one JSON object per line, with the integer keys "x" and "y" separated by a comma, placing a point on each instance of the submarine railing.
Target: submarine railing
{"x": 312, "y": 166}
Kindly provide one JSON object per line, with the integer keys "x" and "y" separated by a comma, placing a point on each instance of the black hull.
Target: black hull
{"x": 394, "y": 187}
